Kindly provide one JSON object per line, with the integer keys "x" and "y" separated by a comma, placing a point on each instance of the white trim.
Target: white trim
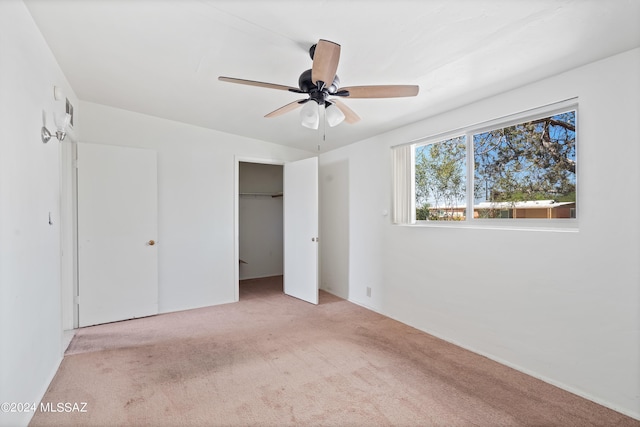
{"x": 504, "y": 362}
{"x": 527, "y": 116}
{"x": 568, "y": 225}
{"x": 47, "y": 383}
{"x": 502, "y": 121}
{"x": 68, "y": 233}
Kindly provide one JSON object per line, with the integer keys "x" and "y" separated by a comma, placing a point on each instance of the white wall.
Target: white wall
{"x": 30, "y": 260}
{"x": 560, "y": 306}
{"x": 197, "y": 190}
{"x": 260, "y": 219}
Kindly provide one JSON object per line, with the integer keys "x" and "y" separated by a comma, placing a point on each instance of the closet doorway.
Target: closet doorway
{"x": 260, "y": 229}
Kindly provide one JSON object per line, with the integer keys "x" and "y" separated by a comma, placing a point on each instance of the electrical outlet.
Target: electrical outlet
{"x": 369, "y": 292}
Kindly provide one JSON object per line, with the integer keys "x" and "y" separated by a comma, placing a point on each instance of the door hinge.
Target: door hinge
{"x": 76, "y": 299}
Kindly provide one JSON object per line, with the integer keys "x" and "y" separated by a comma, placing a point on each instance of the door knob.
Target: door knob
{"x": 151, "y": 242}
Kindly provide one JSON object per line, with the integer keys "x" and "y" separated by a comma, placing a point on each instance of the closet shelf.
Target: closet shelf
{"x": 262, "y": 194}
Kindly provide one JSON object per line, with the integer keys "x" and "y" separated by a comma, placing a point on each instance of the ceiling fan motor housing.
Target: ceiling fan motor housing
{"x": 306, "y": 85}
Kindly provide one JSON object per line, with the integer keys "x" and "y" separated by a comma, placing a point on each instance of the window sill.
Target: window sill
{"x": 557, "y": 226}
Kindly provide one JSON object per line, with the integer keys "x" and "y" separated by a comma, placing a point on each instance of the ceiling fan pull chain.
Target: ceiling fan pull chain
{"x": 324, "y": 124}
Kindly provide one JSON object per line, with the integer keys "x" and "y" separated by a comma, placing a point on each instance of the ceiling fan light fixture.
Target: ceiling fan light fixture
{"x": 310, "y": 115}
{"x": 334, "y": 115}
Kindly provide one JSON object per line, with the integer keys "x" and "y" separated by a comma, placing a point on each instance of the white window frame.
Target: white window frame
{"x": 528, "y": 224}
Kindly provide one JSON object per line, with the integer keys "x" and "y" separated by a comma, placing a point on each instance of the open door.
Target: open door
{"x": 301, "y": 229}
{"x": 117, "y": 233}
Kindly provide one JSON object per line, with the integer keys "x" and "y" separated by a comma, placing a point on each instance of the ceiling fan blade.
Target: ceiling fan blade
{"x": 325, "y": 62}
{"x": 349, "y": 115}
{"x": 259, "y": 84}
{"x": 289, "y": 107}
{"x": 386, "y": 91}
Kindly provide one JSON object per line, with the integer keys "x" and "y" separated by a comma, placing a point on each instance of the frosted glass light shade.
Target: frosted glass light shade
{"x": 62, "y": 121}
{"x": 335, "y": 116}
{"x": 310, "y": 115}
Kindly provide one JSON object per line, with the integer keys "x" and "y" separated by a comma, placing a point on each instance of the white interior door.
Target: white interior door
{"x": 117, "y": 230}
{"x": 301, "y": 229}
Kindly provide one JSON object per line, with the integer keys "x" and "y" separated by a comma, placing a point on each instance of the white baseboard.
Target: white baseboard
{"x": 570, "y": 389}
{"x": 43, "y": 391}
{"x": 263, "y": 276}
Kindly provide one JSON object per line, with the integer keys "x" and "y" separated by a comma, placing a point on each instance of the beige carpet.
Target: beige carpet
{"x": 272, "y": 360}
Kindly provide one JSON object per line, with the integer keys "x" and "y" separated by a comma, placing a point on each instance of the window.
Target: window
{"x": 441, "y": 180}
{"x": 523, "y": 168}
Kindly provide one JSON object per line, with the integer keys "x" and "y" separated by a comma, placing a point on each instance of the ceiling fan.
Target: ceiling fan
{"x": 320, "y": 83}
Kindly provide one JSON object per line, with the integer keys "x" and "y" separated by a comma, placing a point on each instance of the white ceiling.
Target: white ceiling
{"x": 163, "y": 57}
